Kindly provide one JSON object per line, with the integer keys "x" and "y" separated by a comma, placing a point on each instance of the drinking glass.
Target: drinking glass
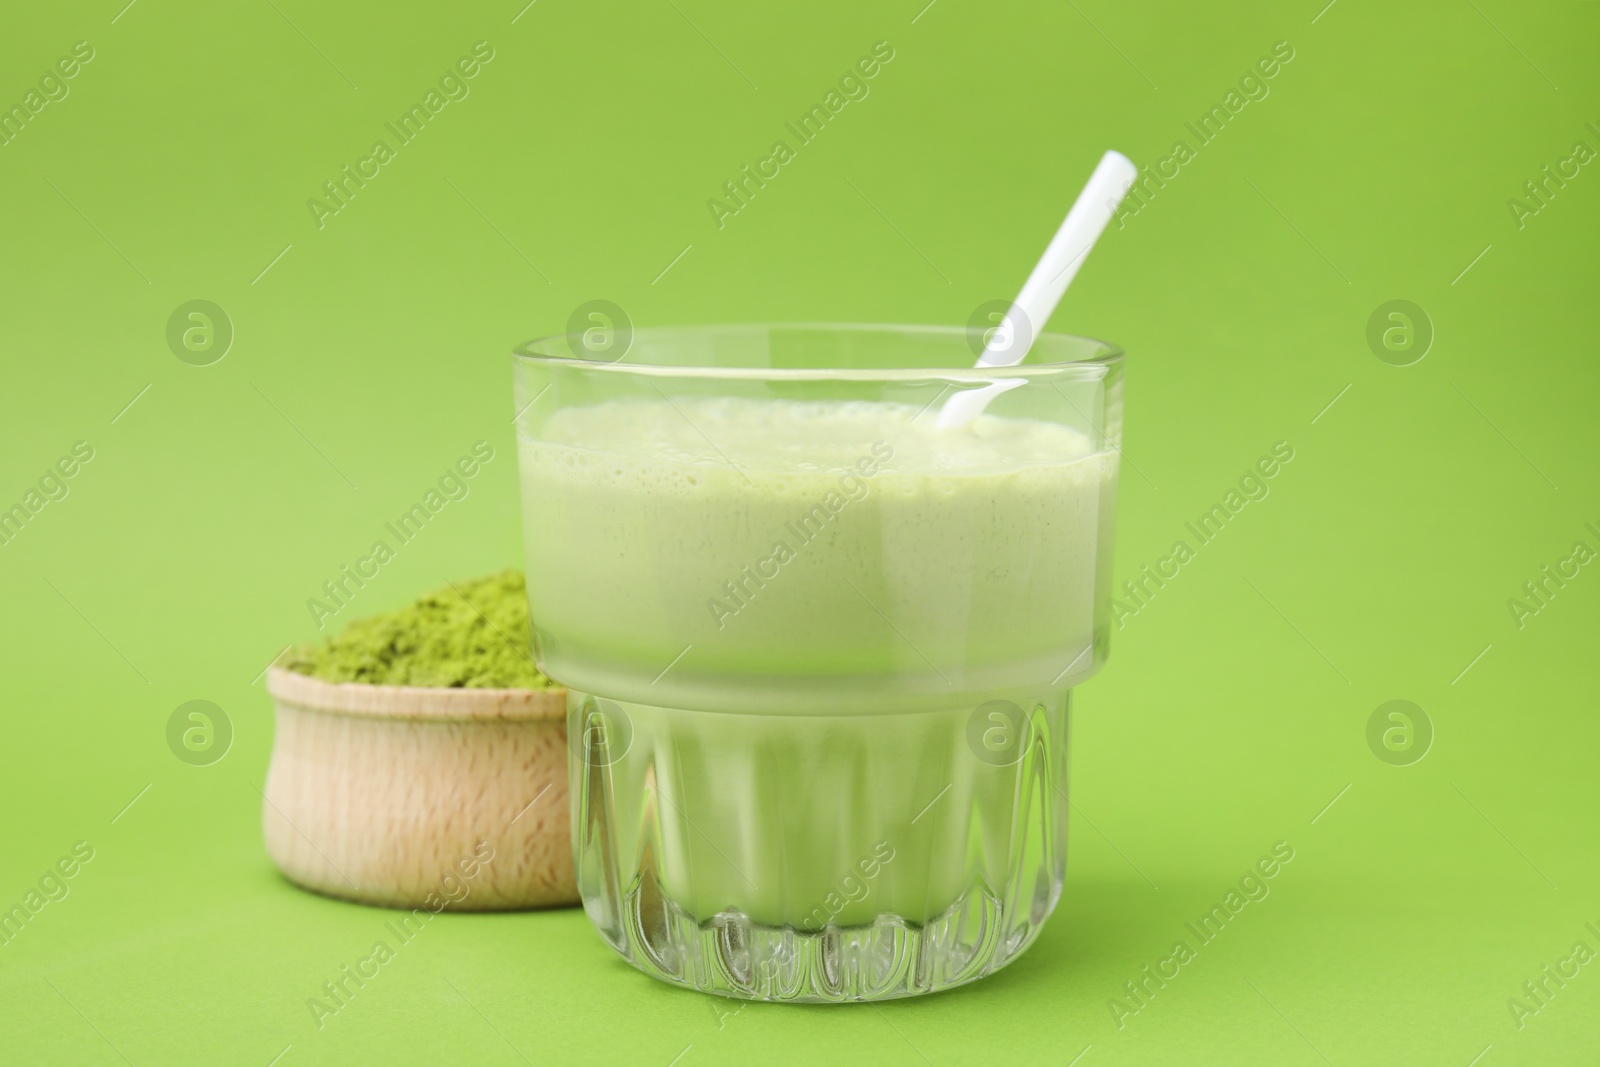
{"x": 819, "y": 649}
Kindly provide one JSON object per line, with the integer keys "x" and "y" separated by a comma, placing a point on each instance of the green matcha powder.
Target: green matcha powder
{"x": 468, "y": 635}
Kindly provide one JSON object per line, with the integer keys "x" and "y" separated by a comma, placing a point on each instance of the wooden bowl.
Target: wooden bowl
{"x": 414, "y": 797}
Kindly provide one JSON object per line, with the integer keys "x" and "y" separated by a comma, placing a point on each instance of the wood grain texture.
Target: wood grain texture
{"x": 390, "y": 794}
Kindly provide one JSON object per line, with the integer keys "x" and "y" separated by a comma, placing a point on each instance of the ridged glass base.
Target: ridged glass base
{"x": 819, "y": 859}
{"x": 734, "y": 957}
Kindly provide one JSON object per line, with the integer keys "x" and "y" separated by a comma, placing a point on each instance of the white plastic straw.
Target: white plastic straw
{"x": 1011, "y": 340}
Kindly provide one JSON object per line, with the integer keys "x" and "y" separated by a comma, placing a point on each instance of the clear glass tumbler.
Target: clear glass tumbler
{"x": 820, "y": 650}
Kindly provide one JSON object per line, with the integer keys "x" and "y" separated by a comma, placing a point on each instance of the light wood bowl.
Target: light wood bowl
{"x": 394, "y": 795}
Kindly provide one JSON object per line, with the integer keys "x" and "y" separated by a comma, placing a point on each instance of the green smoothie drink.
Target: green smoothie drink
{"x": 820, "y": 649}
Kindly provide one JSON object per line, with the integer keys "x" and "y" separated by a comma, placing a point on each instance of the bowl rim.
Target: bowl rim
{"x": 413, "y": 702}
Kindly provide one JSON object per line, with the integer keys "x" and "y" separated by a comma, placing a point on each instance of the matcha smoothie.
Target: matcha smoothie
{"x": 819, "y": 650}
{"x": 823, "y": 592}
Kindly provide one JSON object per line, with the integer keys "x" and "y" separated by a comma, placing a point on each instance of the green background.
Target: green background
{"x": 375, "y": 351}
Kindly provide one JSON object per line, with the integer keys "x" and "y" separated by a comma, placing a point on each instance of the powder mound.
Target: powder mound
{"x": 468, "y": 635}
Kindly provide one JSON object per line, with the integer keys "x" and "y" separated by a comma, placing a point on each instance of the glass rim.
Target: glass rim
{"x": 1106, "y": 355}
